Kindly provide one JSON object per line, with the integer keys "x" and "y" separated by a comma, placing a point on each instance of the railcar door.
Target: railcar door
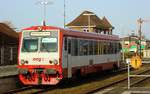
{"x": 67, "y": 56}
{"x": 69, "y": 59}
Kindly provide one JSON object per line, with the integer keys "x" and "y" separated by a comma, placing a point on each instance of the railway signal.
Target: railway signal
{"x": 140, "y": 21}
{"x": 136, "y": 61}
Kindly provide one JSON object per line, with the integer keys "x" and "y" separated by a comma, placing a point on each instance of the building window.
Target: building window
{"x": 85, "y": 30}
{"x": 11, "y": 53}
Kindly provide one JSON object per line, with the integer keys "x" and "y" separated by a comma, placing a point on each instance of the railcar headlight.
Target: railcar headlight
{"x": 55, "y": 61}
{"x": 50, "y": 61}
{"x": 26, "y": 62}
{"x": 22, "y": 62}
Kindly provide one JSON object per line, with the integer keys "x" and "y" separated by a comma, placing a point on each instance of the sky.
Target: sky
{"x": 123, "y": 14}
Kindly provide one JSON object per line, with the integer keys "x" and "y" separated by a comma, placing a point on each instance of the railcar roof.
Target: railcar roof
{"x": 42, "y": 28}
{"x": 75, "y": 33}
{"x": 91, "y": 35}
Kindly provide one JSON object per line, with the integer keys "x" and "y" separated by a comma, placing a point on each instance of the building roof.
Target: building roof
{"x": 82, "y": 20}
{"x": 131, "y": 38}
{"x": 106, "y": 23}
{"x": 5, "y": 29}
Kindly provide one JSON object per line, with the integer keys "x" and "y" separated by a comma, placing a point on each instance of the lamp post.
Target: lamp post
{"x": 89, "y": 22}
{"x": 44, "y": 3}
{"x": 64, "y": 13}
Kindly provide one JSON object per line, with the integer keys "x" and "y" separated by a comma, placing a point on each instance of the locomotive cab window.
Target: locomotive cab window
{"x": 48, "y": 45}
{"x": 30, "y": 45}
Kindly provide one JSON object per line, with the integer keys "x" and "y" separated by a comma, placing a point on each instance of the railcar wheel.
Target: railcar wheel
{"x": 78, "y": 74}
{"x": 115, "y": 67}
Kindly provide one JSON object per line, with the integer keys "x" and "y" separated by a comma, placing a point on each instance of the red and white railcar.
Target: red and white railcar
{"x": 47, "y": 54}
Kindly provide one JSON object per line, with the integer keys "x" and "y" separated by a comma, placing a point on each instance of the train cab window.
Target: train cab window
{"x": 30, "y": 45}
{"x": 48, "y": 45}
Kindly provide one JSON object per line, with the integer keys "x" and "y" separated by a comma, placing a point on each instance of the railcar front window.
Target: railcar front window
{"x": 48, "y": 45}
{"x": 30, "y": 45}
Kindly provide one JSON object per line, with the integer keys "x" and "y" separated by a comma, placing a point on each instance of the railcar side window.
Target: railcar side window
{"x": 104, "y": 48}
{"x": 109, "y": 48}
{"x": 69, "y": 46}
{"x": 118, "y": 47}
{"x": 65, "y": 43}
{"x": 91, "y": 47}
{"x": 83, "y": 47}
{"x": 101, "y": 47}
{"x": 75, "y": 47}
{"x": 115, "y": 47}
{"x": 95, "y": 47}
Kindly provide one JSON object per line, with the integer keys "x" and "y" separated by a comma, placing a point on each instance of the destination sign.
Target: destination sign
{"x": 49, "y": 40}
{"x": 40, "y": 33}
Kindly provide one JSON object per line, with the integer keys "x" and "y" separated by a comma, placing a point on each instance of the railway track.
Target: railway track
{"x": 136, "y": 82}
{"x": 85, "y": 86}
{"x": 40, "y": 89}
{"x": 31, "y": 90}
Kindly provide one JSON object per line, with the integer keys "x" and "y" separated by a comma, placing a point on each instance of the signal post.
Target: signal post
{"x": 135, "y": 62}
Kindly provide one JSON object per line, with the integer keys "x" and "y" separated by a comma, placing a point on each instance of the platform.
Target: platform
{"x": 8, "y": 70}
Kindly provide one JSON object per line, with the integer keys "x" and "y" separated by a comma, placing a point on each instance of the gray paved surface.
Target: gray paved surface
{"x": 8, "y": 70}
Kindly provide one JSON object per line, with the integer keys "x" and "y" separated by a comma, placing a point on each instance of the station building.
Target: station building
{"x": 146, "y": 51}
{"x": 89, "y": 22}
{"x": 8, "y": 45}
{"x": 131, "y": 44}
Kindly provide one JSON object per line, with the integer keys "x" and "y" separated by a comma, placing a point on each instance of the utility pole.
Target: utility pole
{"x": 140, "y": 22}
